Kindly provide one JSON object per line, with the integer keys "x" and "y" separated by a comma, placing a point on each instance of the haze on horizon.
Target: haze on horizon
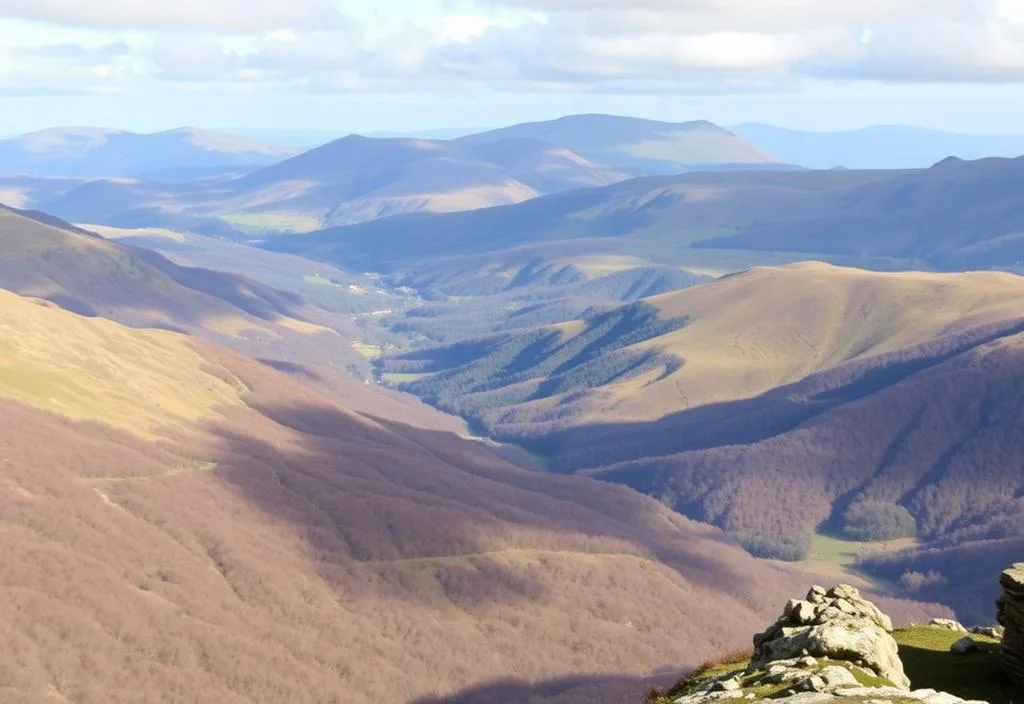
{"x": 411, "y": 65}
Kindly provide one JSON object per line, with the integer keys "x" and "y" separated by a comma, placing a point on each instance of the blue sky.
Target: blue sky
{"x": 406, "y": 65}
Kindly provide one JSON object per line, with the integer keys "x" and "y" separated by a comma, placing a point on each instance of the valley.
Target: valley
{"x": 548, "y": 413}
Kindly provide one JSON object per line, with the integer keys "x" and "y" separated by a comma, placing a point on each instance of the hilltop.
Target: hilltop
{"x": 646, "y": 145}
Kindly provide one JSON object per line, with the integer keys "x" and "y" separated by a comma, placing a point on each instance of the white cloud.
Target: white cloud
{"x": 627, "y": 46}
{"x": 227, "y": 16}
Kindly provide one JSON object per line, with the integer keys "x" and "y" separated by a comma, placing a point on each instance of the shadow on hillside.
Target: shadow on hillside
{"x": 572, "y": 690}
{"x": 977, "y": 676}
{"x": 413, "y": 504}
{"x": 752, "y": 420}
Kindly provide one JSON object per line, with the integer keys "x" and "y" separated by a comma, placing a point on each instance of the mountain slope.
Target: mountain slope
{"x": 89, "y": 152}
{"x": 878, "y": 390}
{"x": 46, "y": 258}
{"x": 278, "y": 545}
{"x": 632, "y": 143}
{"x": 956, "y": 215}
{"x": 350, "y": 180}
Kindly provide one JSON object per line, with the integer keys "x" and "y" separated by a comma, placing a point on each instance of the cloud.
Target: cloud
{"x": 226, "y": 16}
{"x": 569, "y": 46}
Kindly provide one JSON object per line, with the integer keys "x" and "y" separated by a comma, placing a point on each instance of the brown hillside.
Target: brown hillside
{"x": 277, "y": 546}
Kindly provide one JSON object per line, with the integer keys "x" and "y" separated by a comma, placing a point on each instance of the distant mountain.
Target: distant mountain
{"x": 350, "y": 180}
{"x": 643, "y": 145}
{"x": 881, "y": 147}
{"x": 773, "y": 401}
{"x": 956, "y": 215}
{"x": 94, "y": 152}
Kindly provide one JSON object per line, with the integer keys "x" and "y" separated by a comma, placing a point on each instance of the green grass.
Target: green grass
{"x": 262, "y": 223}
{"x": 402, "y": 378}
{"x": 930, "y": 665}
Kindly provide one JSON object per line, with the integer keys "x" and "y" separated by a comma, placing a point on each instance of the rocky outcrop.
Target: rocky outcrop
{"x": 833, "y": 647}
{"x": 837, "y": 624}
{"x": 1011, "y": 616}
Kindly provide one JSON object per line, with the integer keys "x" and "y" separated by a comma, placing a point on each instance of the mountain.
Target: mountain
{"x": 95, "y": 152}
{"x": 181, "y": 518}
{"x": 879, "y": 147}
{"x": 643, "y": 145}
{"x": 48, "y": 259}
{"x": 350, "y": 180}
{"x": 956, "y": 215}
{"x": 888, "y": 395}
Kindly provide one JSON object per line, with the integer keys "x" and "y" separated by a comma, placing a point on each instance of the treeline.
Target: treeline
{"x": 537, "y": 295}
{"x": 502, "y": 371}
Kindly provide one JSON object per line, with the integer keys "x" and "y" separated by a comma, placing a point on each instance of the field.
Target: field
{"x": 267, "y": 223}
{"x": 834, "y": 558}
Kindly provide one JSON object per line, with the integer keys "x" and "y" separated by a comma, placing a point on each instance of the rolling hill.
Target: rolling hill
{"x": 954, "y": 216}
{"x": 350, "y": 180}
{"x": 645, "y": 145}
{"x": 46, "y": 258}
{"x": 811, "y": 387}
{"x": 181, "y": 518}
{"x": 178, "y": 154}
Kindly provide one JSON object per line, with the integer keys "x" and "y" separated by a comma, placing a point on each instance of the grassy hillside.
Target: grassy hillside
{"x": 277, "y": 545}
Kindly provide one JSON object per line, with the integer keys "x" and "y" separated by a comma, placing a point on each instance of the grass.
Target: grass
{"x": 367, "y": 350}
{"x": 94, "y": 369}
{"x": 926, "y": 656}
{"x": 930, "y": 665}
{"x": 262, "y": 223}
{"x": 393, "y": 378}
{"x": 836, "y": 558}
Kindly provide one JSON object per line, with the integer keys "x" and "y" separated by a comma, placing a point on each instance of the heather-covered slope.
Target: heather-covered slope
{"x": 277, "y": 545}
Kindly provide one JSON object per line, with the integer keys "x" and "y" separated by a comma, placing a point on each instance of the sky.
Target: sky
{"x": 413, "y": 65}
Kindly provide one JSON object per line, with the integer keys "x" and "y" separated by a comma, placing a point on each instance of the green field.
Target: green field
{"x": 263, "y": 223}
{"x": 402, "y": 378}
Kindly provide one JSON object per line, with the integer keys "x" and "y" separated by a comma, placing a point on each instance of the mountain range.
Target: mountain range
{"x": 953, "y": 216}
{"x": 179, "y": 154}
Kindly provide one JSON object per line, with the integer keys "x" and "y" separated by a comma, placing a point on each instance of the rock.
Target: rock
{"x": 1011, "y": 617}
{"x": 844, "y": 626}
{"x": 730, "y": 685}
{"x": 949, "y": 624}
{"x": 828, "y": 680}
{"x": 995, "y": 632}
{"x": 964, "y": 646}
{"x": 708, "y": 697}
